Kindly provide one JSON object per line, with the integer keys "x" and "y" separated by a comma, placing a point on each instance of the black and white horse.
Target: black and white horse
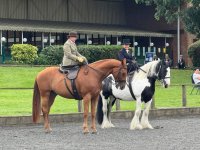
{"x": 140, "y": 87}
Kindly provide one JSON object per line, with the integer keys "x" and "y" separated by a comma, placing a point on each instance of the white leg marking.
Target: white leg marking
{"x": 105, "y": 123}
{"x": 145, "y": 116}
{"x": 135, "y": 123}
{"x": 109, "y": 111}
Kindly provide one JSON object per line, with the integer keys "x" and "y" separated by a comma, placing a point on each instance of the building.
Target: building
{"x": 47, "y": 22}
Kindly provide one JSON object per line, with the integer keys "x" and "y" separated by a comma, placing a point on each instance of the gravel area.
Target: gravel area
{"x": 174, "y": 134}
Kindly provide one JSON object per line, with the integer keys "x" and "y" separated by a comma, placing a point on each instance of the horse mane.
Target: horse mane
{"x": 150, "y": 70}
{"x": 103, "y": 60}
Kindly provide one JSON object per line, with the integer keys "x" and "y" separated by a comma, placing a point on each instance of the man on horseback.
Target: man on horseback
{"x": 71, "y": 55}
{"x": 125, "y": 53}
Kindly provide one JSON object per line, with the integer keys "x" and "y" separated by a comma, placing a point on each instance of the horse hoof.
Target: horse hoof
{"x": 112, "y": 125}
{"x": 147, "y": 126}
{"x": 48, "y": 130}
{"x": 139, "y": 127}
{"x": 94, "y": 132}
{"x": 86, "y": 131}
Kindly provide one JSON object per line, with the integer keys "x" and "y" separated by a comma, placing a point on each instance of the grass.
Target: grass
{"x": 19, "y": 102}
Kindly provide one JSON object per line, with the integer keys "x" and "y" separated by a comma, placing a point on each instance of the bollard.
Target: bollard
{"x": 117, "y": 104}
{"x": 80, "y": 106}
{"x": 153, "y": 102}
{"x": 184, "y": 99}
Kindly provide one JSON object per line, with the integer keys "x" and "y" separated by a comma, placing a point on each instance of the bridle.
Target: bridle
{"x": 119, "y": 74}
{"x": 162, "y": 80}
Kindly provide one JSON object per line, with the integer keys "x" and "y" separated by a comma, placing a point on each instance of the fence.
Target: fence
{"x": 80, "y": 105}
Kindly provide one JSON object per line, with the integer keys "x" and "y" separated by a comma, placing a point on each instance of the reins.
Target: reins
{"x": 105, "y": 75}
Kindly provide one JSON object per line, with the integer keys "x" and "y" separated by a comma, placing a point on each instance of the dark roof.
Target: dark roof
{"x": 65, "y": 27}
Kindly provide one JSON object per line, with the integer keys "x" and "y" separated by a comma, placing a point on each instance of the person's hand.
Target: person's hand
{"x": 84, "y": 59}
{"x": 80, "y": 59}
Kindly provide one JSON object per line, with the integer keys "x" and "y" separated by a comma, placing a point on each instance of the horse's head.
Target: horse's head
{"x": 120, "y": 73}
{"x": 163, "y": 73}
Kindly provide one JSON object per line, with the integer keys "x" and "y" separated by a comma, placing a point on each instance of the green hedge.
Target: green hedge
{"x": 53, "y": 55}
{"x": 98, "y": 52}
{"x": 194, "y": 53}
{"x": 24, "y": 53}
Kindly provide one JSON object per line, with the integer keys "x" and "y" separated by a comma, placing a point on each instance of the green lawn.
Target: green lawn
{"x": 19, "y": 102}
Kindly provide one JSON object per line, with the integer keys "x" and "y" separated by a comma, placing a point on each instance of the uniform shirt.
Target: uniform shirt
{"x": 195, "y": 78}
{"x": 125, "y": 54}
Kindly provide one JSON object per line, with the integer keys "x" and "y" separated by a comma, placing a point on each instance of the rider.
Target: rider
{"x": 125, "y": 53}
{"x": 71, "y": 55}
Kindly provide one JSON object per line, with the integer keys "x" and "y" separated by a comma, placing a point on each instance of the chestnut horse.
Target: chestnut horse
{"x": 50, "y": 82}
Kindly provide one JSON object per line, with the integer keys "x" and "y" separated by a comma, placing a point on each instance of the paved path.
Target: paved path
{"x": 176, "y": 134}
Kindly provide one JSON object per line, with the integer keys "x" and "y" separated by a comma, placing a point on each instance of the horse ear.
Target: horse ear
{"x": 124, "y": 62}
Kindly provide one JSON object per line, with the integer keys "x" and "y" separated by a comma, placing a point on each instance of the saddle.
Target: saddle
{"x": 71, "y": 73}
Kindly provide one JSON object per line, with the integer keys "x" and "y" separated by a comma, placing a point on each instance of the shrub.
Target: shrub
{"x": 53, "y": 55}
{"x": 24, "y": 53}
{"x": 194, "y": 53}
{"x": 94, "y": 53}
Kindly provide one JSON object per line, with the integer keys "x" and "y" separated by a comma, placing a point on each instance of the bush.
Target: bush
{"x": 94, "y": 53}
{"x": 53, "y": 55}
{"x": 194, "y": 53}
{"x": 24, "y": 53}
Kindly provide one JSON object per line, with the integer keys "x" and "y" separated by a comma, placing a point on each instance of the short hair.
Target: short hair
{"x": 196, "y": 69}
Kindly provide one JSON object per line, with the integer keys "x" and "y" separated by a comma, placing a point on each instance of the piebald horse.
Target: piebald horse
{"x": 142, "y": 87}
{"x": 50, "y": 82}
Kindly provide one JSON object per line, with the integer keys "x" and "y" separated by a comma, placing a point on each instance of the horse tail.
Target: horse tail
{"x": 36, "y": 109}
{"x": 99, "y": 112}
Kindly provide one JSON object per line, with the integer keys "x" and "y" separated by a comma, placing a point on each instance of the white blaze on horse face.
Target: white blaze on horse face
{"x": 167, "y": 77}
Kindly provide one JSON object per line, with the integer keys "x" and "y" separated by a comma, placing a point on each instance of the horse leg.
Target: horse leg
{"x": 85, "y": 114}
{"x": 145, "y": 120}
{"x": 105, "y": 123}
{"x": 93, "y": 114}
{"x": 112, "y": 99}
{"x": 45, "y": 109}
{"x": 135, "y": 123}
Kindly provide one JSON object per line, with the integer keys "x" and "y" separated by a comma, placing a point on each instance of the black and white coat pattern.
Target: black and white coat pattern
{"x": 143, "y": 86}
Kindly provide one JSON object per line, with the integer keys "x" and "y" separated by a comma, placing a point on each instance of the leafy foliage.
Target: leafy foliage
{"x": 24, "y": 53}
{"x": 194, "y": 53}
{"x": 169, "y": 9}
{"x": 53, "y": 55}
{"x": 165, "y": 8}
{"x": 191, "y": 20}
{"x": 94, "y": 53}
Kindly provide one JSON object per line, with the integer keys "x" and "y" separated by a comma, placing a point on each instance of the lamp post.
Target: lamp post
{"x": 108, "y": 43}
{"x": 151, "y": 44}
{"x": 52, "y": 41}
{"x": 119, "y": 42}
{"x": 3, "y": 40}
{"x": 44, "y": 42}
{"x": 135, "y": 44}
{"x": 24, "y": 40}
{"x": 89, "y": 42}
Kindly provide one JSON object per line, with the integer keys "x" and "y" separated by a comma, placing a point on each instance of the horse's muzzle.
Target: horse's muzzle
{"x": 121, "y": 84}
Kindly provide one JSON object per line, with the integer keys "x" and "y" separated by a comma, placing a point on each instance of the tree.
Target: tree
{"x": 169, "y": 9}
{"x": 191, "y": 19}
